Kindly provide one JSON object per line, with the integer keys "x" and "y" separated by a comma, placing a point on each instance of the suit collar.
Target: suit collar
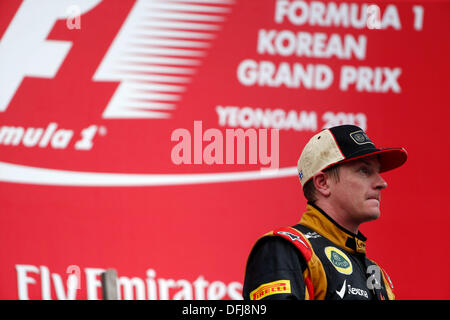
{"x": 316, "y": 219}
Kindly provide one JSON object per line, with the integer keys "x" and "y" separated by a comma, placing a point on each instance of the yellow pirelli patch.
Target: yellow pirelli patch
{"x": 268, "y": 289}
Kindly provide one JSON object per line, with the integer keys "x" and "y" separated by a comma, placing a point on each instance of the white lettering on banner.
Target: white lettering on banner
{"x": 150, "y": 288}
{"x": 233, "y": 116}
{"x": 370, "y": 79}
{"x": 24, "y": 48}
{"x": 24, "y": 280}
{"x": 316, "y": 45}
{"x": 247, "y": 117}
{"x": 318, "y": 77}
{"x": 93, "y": 282}
{"x": 418, "y": 17}
{"x": 316, "y": 13}
{"x": 131, "y": 285}
{"x": 266, "y": 73}
{"x": 49, "y": 137}
{"x": 287, "y": 43}
{"x": 332, "y": 119}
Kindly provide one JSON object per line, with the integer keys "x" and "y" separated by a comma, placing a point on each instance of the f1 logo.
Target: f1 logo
{"x": 24, "y": 50}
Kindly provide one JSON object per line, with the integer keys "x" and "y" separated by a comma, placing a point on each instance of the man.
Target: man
{"x": 324, "y": 255}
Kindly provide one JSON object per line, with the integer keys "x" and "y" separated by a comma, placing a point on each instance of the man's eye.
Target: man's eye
{"x": 364, "y": 170}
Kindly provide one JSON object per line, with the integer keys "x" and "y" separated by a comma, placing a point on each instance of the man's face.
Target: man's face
{"x": 357, "y": 193}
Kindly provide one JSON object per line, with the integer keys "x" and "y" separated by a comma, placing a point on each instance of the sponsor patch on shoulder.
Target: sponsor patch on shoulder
{"x": 268, "y": 289}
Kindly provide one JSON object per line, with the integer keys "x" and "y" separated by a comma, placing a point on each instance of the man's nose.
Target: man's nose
{"x": 380, "y": 182}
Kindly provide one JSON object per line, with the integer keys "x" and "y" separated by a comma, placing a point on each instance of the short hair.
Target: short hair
{"x": 309, "y": 190}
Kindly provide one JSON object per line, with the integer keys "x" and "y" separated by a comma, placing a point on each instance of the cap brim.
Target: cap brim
{"x": 390, "y": 158}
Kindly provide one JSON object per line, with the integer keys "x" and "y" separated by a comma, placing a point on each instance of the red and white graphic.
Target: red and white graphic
{"x": 160, "y": 42}
{"x": 160, "y": 137}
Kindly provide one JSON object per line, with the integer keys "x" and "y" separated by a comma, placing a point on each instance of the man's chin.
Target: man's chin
{"x": 372, "y": 214}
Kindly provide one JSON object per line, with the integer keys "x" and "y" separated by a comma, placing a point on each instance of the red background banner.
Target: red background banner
{"x": 91, "y": 94}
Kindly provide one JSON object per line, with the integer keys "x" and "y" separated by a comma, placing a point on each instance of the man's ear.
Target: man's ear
{"x": 320, "y": 181}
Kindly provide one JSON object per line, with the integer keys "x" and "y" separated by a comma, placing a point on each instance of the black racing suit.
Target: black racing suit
{"x": 315, "y": 259}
